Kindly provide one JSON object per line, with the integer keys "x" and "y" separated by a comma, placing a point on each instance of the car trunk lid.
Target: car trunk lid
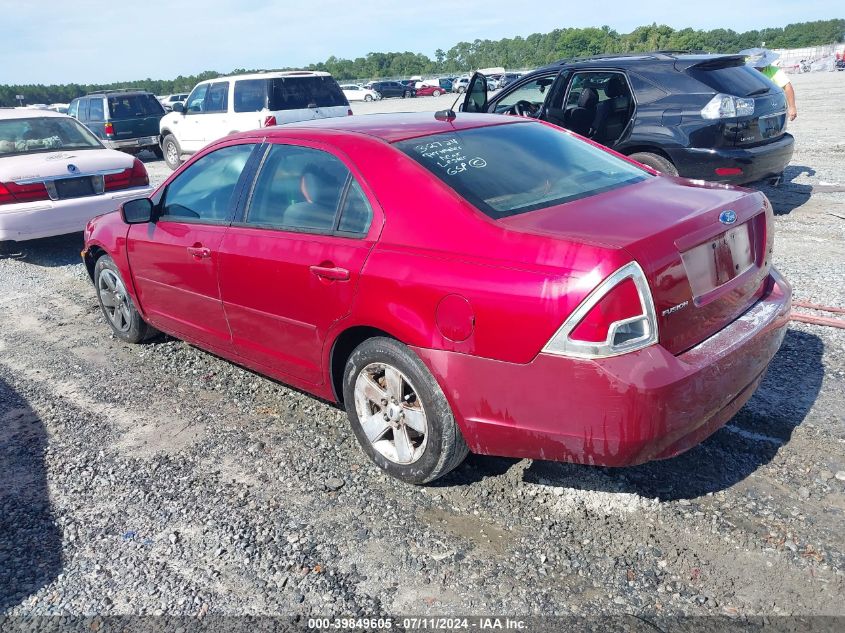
{"x": 703, "y": 272}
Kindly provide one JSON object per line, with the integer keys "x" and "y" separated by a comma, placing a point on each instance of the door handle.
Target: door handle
{"x": 199, "y": 252}
{"x": 331, "y": 273}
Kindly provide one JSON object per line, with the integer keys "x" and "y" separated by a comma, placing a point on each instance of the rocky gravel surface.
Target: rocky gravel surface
{"x": 159, "y": 479}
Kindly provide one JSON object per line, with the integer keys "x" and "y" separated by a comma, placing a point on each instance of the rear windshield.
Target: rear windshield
{"x": 505, "y": 170}
{"x": 44, "y": 134}
{"x": 294, "y": 93}
{"x": 740, "y": 81}
{"x": 130, "y": 106}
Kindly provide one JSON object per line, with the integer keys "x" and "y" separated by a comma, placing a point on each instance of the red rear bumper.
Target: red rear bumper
{"x": 616, "y": 411}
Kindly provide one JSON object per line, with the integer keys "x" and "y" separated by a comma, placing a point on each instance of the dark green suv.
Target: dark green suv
{"x": 122, "y": 119}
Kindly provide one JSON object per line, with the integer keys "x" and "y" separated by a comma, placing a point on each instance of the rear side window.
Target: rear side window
{"x": 740, "y": 81}
{"x": 131, "y": 106}
{"x": 95, "y": 110}
{"x": 296, "y": 93}
{"x": 250, "y": 95}
{"x": 217, "y": 98}
{"x": 505, "y": 170}
{"x": 300, "y": 188}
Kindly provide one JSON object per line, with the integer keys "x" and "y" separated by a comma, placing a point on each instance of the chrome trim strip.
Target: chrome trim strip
{"x": 46, "y": 179}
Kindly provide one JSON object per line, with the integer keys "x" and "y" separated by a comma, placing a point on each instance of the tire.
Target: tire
{"x": 116, "y": 304}
{"x": 436, "y": 93}
{"x": 9, "y": 248}
{"x": 368, "y": 97}
{"x": 419, "y": 458}
{"x": 171, "y": 151}
{"x": 159, "y": 153}
{"x": 655, "y": 161}
{"x": 461, "y": 90}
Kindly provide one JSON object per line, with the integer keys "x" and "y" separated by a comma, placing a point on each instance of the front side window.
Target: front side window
{"x": 196, "y": 98}
{"x": 300, "y": 188}
{"x": 534, "y": 92}
{"x": 44, "y": 134}
{"x": 217, "y": 97}
{"x": 204, "y": 191}
{"x": 95, "y": 110}
{"x": 250, "y": 95}
{"x": 505, "y": 170}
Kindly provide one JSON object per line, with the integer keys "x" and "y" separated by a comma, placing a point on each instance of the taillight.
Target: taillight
{"x": 728, "y": 171}
{"x": 135, "y": 176}
{"x": 616, "y": 318}
{"x": 109, "y": 129}
{"x": 11, "y": 192}
{"x": 349, "y": 113}
{"x": 269, "y": 121}
{"x": 727, "y": 107}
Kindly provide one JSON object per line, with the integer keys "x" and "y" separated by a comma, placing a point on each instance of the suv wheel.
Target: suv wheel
{"x": 172, "y": 152}
{"x": 655, "y": 161}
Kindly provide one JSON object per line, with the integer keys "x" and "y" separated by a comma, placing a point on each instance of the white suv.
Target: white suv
{"x": 223, "y": 106}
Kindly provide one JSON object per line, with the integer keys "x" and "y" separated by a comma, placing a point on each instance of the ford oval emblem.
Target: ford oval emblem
{"x": 72, "y": 168}
{"x": 727, "y": 217}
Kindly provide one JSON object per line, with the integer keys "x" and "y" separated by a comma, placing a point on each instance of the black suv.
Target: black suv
{"x": 392, "y": 89}
{"x": 709, "y": 117}
{"x": 122, "y": 119}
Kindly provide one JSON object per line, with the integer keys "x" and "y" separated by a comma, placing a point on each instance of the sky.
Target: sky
{"x": 92, "y": 41}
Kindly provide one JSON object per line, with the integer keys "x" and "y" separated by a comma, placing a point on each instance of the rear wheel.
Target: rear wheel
{"x": 116, "y": 304}
{"x": 655, "y": 161}
{"x": 368, "y": 97}
{"x": 399, "y": 413}
{"x": 436, "y": 93}
{"x": 172, "y": 152}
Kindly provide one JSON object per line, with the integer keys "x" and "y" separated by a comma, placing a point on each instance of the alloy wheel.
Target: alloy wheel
{"x": 115, "y": 301}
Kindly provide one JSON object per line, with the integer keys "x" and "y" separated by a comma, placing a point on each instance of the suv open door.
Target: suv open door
{"x": 475, "y": 99}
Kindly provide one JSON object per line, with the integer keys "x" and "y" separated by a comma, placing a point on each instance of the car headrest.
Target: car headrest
{"x": 615, "y": 87}
{"x": 588, "y": 98}
{"x": 318, "y": 185}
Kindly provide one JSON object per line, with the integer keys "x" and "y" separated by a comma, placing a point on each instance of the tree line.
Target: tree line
{"x": 513, "y": 53}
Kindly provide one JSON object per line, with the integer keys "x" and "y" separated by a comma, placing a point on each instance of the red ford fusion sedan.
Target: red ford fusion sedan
{"x": 541, "y": 297}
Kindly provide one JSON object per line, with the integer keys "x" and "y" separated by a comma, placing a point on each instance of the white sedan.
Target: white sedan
{"x": 55, "y": 175}
{"x": 357, "y": 93}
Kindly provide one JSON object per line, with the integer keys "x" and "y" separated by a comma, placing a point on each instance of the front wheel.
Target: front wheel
{"x": 116, "y": 304}
{"x": 655, "y": 161}
{"x": 399, "y": 414}
{"x": 172, "y": 152}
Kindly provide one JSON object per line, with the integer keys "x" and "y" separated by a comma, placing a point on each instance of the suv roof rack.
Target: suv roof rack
{"x": 105, "y": 92}
{"x": 660, "y": 54}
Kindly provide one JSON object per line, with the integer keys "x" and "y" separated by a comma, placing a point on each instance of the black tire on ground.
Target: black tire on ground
{"x": 368, "y": 97}
{"x": 655, "y": 161}
{"x": 159, "y": 153}
{"x": 8, "y": 248}
{"x": 171, "y": 151}
{"x": 133, "y": 329}
{"x": 445, "y": 447}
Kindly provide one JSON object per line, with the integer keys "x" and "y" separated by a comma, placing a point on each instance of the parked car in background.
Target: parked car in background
{"x": 226, "y": 105}
{"x": 656, "y": 340}
{"x": 389, "y": 89}
{"x": 353, "y": 92}
{"x": 708, "y": 117}
{"x": 122, "y": 119}
{"x": 55, "y": 175}
{"x": 460, "y": 84}
{"x": 168, "y": 101}
{"x": 507, "y": 78}
{"x": 58, "y": 107}
{"x": 429, "y": 90}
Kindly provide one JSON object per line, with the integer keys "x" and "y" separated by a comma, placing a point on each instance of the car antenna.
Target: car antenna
{"x": 449, "y": 113}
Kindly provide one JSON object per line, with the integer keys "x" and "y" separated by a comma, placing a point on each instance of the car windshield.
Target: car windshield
{"x": 296, "y": 93}
{"x": 44, "y": 134}
{"x": 505, "y": 170}
{"x": 130, "y": 106}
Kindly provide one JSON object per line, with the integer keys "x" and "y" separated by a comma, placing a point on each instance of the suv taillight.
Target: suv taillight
{"x": 109, "y": 129}
{"x": 135, "y": 176}
{"x": 269, "y": 121}
{"x": 727, "y": 107}
{"x": 10, "y": 192}
{"x": 616, "y": 318}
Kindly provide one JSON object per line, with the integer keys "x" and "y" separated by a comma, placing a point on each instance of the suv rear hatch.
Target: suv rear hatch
{"x": 319, "y": 95}
{"x": 134, "y": 115}
{"x": 703, "y": 273}
{"x": 729, "y": 75}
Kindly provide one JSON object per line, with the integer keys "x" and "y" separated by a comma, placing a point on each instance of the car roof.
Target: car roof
{"x": 28, "y": 113}
{"x": 118, "y": 93}
{"x": 396, "y": 126}
{"x": 285, "y": 74}
{"x": 615, "y": 60}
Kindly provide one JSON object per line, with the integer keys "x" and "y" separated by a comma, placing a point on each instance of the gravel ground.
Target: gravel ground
{"x": 160, "y": 479}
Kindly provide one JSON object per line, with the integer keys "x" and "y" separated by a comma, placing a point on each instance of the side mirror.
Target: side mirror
{"x": 178, "y": 107}
{"x": 138, "y": 211}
